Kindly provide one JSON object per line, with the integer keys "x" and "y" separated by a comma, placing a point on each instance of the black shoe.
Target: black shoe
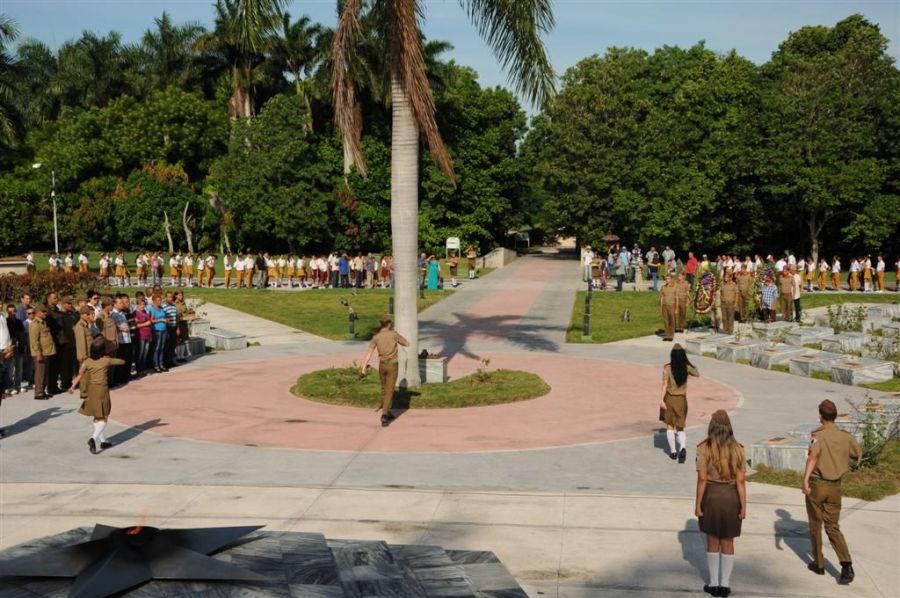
{"x": 711, "y": 590}
{"x": 93, "y": 446}
{"x": 724, "y": 592}
{"x": 816, "y": 569}
{"x": 682, "y": 455}
{"x": 847, "y": 574}
{"x": 105, "y": 445}
{"x": 673, "y": 456}
{"x": 385, "y": 422}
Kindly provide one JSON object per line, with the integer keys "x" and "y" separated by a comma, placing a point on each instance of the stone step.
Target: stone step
{"x": 368, "y": 569}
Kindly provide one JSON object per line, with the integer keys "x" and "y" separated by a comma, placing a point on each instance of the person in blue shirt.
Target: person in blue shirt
{"x": 344, "y": 268}
{"x": 621, "y": 268}
{"x": 158, "y": 324}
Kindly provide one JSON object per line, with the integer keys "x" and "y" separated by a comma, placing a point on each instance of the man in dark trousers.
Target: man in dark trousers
{"x": 54, "y": 322}
{"x": 830, "y": 452}
{"x": 387, "y": 342}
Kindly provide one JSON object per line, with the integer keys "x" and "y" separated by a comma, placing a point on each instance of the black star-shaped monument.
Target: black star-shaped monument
{"x": 116, "y": 559}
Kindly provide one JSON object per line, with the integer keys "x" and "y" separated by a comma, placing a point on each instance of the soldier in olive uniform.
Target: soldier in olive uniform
{"x": 829, "y": 457}
{"x": 668, "y": 306}
{"x": 54, "y": 322}
{"x": 387, "y": 342}
{"x": 66, "y": 351}
{"x": 43, "y": 351}
{"x": 744, "y": 283}
{"x": 786, "y": 295}
{"x": 83, "y": 339}
{"x": 683, "y": 287}
{"x": 730, "y": 293}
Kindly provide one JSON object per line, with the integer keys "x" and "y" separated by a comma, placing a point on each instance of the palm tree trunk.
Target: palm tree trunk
{"x": 405, "y": 228}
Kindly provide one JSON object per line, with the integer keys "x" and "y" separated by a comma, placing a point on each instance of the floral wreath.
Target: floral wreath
{"x": 705, "y": 297}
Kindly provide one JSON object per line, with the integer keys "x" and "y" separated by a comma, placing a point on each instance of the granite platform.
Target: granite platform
{"x": 773, "y": 331}
{"x": 808, "y": 334}
{"x": 861, "y": 371}
{"x": 306, "y": 565}
{"x": 734, "y": 351}
{"x": 780, "y": 452}
{"x": 812, "y": 361}
{"x": 198, "y": 326}
{"x": 891, "y": 329}
{"x": 196, "y": 345}
{"x": 705, "y": 343}
{"x": 778, "y": 354}
{"x": 846, "y": 342}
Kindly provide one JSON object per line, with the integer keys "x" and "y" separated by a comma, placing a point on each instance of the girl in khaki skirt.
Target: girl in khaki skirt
{"x": 721, "y": 503}
{"x": 97, "y": 405}
{"x": 674, "y": 400}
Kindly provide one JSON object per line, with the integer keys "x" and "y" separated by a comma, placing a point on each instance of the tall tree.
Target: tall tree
{"x": 513, "y": 29}
{"x": 167, "y": 54}
{"x": 242, "y": 33}
{"x": 298, "y": 50}
{"x": 827, "y": 94}
{"x": 11, "y": 122}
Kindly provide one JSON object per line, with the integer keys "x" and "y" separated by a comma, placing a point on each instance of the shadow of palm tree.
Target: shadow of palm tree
{"x": 135, "y": 431}
{"x": 34, "y": 420}
{"x": 524, "y": 332}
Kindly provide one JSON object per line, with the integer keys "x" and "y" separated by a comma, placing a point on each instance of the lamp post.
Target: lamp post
{"x": 37, "y": 165}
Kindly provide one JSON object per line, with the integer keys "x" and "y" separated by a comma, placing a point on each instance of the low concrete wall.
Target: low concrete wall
{"x": 497, "y": 258}
{"x": 12, "y": 265}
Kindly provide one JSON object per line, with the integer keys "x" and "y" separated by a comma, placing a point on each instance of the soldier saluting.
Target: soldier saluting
{"x": 829, "y": 457}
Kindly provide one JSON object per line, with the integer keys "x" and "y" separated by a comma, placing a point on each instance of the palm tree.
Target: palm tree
{"x": 10, "y": 74}
{"x": 38, "y": 85}
{"x": 242, "y": 33}
{"x": 167, "y": 53}
{"x": 298, "y": 50}
{"x": 512, "y": 28}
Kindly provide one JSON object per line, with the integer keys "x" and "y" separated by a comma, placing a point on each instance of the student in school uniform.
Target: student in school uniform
{"x": 227, "y": 265}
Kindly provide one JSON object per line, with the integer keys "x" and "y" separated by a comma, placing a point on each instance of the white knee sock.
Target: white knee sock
{"x": 682, "y": 439}
{"x": 712, "y": 563}
{"x": 727, "y": 566}
{"x": 670, "y": 436}
{"x": 98, "y": 431}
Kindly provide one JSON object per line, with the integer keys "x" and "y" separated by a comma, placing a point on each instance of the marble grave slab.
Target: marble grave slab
{"x": 861, "y": 371}
{"x": 808, "y": 334}
{"x": 734, "y": 351}
{"x": 705, "y": 343}
{"x": 845, "y": 342}
{"x": 773, "y": 331}
{"x": 811, "y": 361}
{"x": 891, "y": 329}
{"x": 766, "y": 356}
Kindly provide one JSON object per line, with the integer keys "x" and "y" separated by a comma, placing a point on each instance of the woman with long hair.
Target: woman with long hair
{"x": 674, "y": 400}
{"x": 721, "y": 503}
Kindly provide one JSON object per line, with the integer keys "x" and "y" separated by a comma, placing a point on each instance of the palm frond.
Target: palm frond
{"x": 347, "y": 111}
{"x": 409, "y": 65}
{"x": 513, "y": 29}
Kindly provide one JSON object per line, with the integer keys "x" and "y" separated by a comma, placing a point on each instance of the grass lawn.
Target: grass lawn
{"x": 317, "y": 311}
{"x": 607, "y": 308}
{"x": 868, "y": 484}
{"x": 892, "y": 385}
{"x": 345, "y": 386}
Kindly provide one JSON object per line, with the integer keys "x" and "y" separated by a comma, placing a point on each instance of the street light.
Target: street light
{"x": 37, "y": 165}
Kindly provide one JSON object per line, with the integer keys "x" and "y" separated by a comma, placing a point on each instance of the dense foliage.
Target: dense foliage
{"x": 228, "y": 133}
{"x": 701, "y": 150}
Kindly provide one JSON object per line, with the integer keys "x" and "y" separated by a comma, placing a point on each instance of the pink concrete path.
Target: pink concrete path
{"x": 250, "y": 403}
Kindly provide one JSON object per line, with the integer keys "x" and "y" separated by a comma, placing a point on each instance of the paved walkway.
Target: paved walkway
{"x": 591, "y": 514}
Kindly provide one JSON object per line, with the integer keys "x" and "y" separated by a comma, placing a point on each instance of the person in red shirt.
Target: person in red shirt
{"x": 690, "y": 268}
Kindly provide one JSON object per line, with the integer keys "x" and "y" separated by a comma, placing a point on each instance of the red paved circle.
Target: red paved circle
{"x": 249, "y": 403}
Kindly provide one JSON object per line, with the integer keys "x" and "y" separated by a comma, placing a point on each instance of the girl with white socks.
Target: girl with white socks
{"x": 674, "y": 400}
{"x": 721, "y": 503}
{"x": 97, "y": 404}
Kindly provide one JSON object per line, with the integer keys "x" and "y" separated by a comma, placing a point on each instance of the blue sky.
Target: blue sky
{"x": 584, "y": 27}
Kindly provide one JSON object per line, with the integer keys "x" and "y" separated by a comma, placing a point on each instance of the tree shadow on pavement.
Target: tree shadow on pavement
{"x": 34, "y": 420}
{"x": 135, "y": 431}
{"x": 522, "y": 331}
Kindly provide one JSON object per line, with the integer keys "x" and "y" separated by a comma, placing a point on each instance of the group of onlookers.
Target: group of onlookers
{"x": 632, "y": 265}
{"x": 49, "y": 341}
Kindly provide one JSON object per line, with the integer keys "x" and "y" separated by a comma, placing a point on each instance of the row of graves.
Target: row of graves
{"x": 852, "y": 345}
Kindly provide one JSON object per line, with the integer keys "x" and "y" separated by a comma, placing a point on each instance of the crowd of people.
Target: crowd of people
{"x": 248, "y": 270}
{"x": 92, "y": 343}
{"x": 623, "y": 265}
